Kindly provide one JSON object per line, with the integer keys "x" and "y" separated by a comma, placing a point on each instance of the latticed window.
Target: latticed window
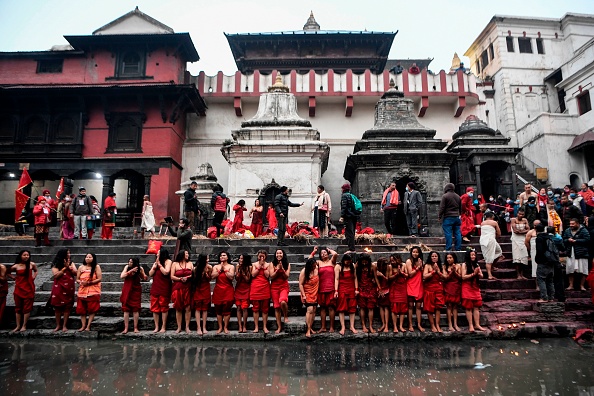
{"x": 131, "y": 64}
{"x": 125, "y": 134}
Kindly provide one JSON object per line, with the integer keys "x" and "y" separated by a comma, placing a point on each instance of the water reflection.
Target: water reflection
{"x": 414, "y": 368}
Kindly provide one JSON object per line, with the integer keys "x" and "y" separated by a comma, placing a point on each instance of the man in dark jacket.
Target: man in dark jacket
{"x": 191, "y": 204}
{"x": 450, "y": 210}
{"x": 412, "y": 205}
{"x": 81, "y": 207}
{"x": 547, "y": 256}
{"x": 281, "y": 207}
{"x": 348, "y": 216}
{"x": 184, "y": 236}
{"x": 218, "y": 203}
{"x": 576, "y": 240}
{"x": 569, "y": 211}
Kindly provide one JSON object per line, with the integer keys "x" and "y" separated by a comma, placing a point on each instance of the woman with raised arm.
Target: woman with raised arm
{"x": 398, "y": 294}
{"x": 181, "y": 275}
{"x": 309, "y": 283}
{"x": 452, "y": 289}
{"x": 201, "y": 298}
{"x": 63, "y": 289}
{"x": 471, "y": 293}
{"x": 279, "y": 287}
{"x": 223, "y": 293}
{"x": 433, "y": 298}
{"x": 243, "y": 279}
{"x": 367, "y": 298}
{"x": 345, "y": 283}
{"x": 382, "y": 269}
{"x": 161, "y": 289}
{"x": 131, "y": 297}
{"x": 260, "y": 290}
{"x": 24, "y": 288}
{"x": 88, "y": 303}
{"x": 257, "y": 215}
{"x": 414, "y": 286}
{"x": 326, "y": 292}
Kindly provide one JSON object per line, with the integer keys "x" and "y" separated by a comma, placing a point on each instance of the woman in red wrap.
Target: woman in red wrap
{"x": 382, "y": 269}
{"x": 327, "y": 291}
{"x": 24, "y": 288}
{"x": 308, "y": 289}
{"x": 201, "y": 292}
{"x": 471, "y": 293}
{"x": 161, "y": 289}
{"x": 452, "y": 289}
{"x": 223, "y": 295}
{"x": 256, "y": 214}
{"x": 109, "y": 213}
{"x": 43, "y": 217}
{"x": 433, "y": 298}
{"x": 398, "y": 293}
{"x": 414, "y": 286}
{"x": 279, "y": 287}
{"x": 243, "y": 279}
{"x": 467, "y": 216}
{"x": 62, "y": 297}
{"x": 345, "y": 284}
{"x": 271, "y": 217}
{"x": 3, "y": 289}
{"x": 238, "y": 208}
{"x": 88, "y": 278}
{"x": 260, "y": 290}
{"x": 132, "y": 274}
{"x": 367, "y": 298}
{"x": 181, "y": 276}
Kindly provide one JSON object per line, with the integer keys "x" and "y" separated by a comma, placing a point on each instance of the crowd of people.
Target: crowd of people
{"x": 396, "y": 289}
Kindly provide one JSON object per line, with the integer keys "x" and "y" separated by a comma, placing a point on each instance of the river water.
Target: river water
{"x": 137, "y": 367}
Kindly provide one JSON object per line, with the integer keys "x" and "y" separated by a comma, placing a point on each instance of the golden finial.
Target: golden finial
{"x": 278, "y": 85}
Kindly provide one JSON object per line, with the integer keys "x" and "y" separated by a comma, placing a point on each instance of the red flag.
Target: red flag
{"x": 20, "y": 201}
{"x": 60, "y": 188}
{"x": 25, "y": 180}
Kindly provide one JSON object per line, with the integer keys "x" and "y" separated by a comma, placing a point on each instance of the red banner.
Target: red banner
{"x": 60, "y": 188}
{"x": 20, "y": 201}
{"x": 25, "y": 180}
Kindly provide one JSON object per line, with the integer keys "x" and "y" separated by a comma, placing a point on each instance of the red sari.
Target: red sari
{"x": 242, "y": 292}
{"x": 238, "y": 220}
{"x": 62, "y": 298}
{"x": 433, "y": 294}
{"x": 367, "y": 291}
{"x": 399, "y": 295}
{"x": 131, "y": 293}
{"x": 24, "y": 292}
{"x": 260, "y": 292}
{"x": 347, "y": 302}
{"x": 279, "y": 289}
{"x": 452, "y": 288}
{"x": 180, "y": 294}
{"x": 467, "y": 217}
{"x": 471, "y": 293}
{"x": 108, "y": 223}
{"x": 223, "y": 295}
{"x": 201, "y": 298}
{"x": 271, "y": 217}
{"x": 414, "y": 285}
{"x": 256, "y": 226}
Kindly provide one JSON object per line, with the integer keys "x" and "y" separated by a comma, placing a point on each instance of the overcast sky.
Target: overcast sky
{"x": 427, "y": 29}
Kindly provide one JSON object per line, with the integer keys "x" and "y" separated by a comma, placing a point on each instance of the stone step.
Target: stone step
{"x": 506, "y": 284}
{"x": 523, "y": 294}
{"x": 532, "y": 317}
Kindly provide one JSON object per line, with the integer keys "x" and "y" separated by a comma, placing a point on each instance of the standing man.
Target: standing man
{"x": 519, "y": 228}
{"x": 449, "y": 216}
{"x": 527, "y": 194}
{"x": 569, "y": 211}
{"x": 412, "y": 204}
{"x": 191, "y": 204}
{"x": 218, "y": 203}
{"x": 281, "y": 208}
{"x": 389, "y": 206}
{"x": 348, "y": 215}
{"x": 184, "y": 236}
{"x": 576, "y": 240}
{"x": 80, "y": 209}
{"x": 547, "y": 257}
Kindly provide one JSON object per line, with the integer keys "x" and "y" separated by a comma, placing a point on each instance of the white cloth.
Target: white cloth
{"x": 148, "y": 218}
{"x": 573, "y": 265}
{"x": 519, "y": 251}
{"x": 489, "y": 246}
{"x": 533, "y": 255}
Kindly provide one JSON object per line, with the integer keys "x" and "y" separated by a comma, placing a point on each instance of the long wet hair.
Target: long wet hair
{"x": 164, "y": 255}
{"x": 347, "y": 257}
{"x": 470, "y": 264}
{"x": 362, "y": 258}
{"x": 310, "y": 266}
{"x": 429, "y": 262}
{"x": 201, "y": 263}
{"x": 181, "y": 256}
{"x": 60, "y": 258}
{"x": 397, "y": 259}
{"x": 243, "y": 267}
{"x": 420, "y": 258}
{"x": 135, "y": 264}
{"x": 92, "y": 264}
{"x": 284, "y": 261}
{"x": 382, "y": 265}
{"x": 27, "y": 263}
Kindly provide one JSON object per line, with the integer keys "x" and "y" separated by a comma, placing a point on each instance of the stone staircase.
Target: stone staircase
{"x": 507, "y": 300}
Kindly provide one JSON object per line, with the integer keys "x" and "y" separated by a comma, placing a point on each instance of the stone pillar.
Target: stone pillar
{"x": 477, "y": 172}
{"x": 107, "y": 188}
{"x": 513, "y": 180}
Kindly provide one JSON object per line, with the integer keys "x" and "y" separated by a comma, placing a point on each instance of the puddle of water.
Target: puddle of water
{"x": 556, "y": 366}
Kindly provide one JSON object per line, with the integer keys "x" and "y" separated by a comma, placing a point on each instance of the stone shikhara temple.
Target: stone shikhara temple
{"x": 117, "y": 111}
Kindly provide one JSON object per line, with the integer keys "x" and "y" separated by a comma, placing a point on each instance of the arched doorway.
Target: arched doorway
{"x": 495, "y": 180}
{"x": 267, "y": 195}
{"x": 129, "y": 188}
{"x": 401, "y": 183}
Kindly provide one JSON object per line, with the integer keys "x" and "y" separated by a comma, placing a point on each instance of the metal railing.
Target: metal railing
{"x": 520, "y": 178}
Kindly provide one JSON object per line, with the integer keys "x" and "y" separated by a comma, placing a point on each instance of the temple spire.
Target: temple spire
{"x": 455, "y": 62}
{"x": 311, "y": 23}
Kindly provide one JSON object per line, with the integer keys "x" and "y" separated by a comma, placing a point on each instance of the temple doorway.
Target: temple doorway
{"x": 495, "y": 180}
{"x": 129, "y": 188}
{"x": 401, "y": 226}
{"x": 266, "y": 197}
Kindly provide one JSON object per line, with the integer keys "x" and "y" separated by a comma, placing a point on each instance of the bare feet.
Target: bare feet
{"x": 569, "y": 288}
{"x": 266, "y": 330}
{"x": 287, "y": 320}
{"x": 88, "y": 328}
{"x": 81, "y": 329}
{"x": 199, "y": 332}
{"x": 457, "y": 328}
{"x": 178, "y": 330}
{"x": 402, "y": 330}
{"x": 479, "y": 328}
{"x": 331, "y": 330}
{"x": 395, "y": 330}
{"x": 381, "y": 328}
{"x": 371, "y": 330}
{"x": 365, "y": 330}
{"x": 226, "y": 331}
{"x": 162, "y": 330}
{"x": 17, "y": 329}
{"x": 341, "y": 332}
{"x": 255, "y": 330}
{"x": 471, "y": 329}
{"x": 411, "y": 328}
{"x": 64, "y": 329}
{"x": 582, "y": 288}
{"x": 219, "y": 331}
{"x": 125, "y": 331}
{"x": 322, "y": 330}
{"x": 439, "y": 330}
{"x": 386, "y": 330}
{"x": 277, "y": 331}
{"x": 353, "y": 330}
{"x": 492, "y": 278}
{"x": 308, "y": 334}
{"x": 543, "y": 301}
{"x": 136, "y": 331}
{"x": 188, "y": 330}
{"x": 450, "y": 328}
{"x": 56, "y": 329}
{"x": 24, "y": 328}
{"x": 422, "y": 330}
{"x": 156, "y": 330}
{"x": 434, "y": 329}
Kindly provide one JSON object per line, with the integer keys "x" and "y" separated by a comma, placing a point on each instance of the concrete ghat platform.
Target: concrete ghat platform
{"x": 296, "y": 332}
